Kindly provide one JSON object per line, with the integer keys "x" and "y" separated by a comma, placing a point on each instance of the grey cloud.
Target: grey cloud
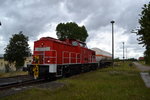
{"x": 27, "y": 16}
{"x": 125, "y": 13}
{"x": 32, "y": 16}
{"x": 98, "y": 10}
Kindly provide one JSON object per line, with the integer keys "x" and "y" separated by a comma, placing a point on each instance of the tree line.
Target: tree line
{"x": 144, "y": 31}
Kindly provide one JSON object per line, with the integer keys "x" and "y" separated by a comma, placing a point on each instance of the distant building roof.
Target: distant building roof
{"x": 141, "y": 58}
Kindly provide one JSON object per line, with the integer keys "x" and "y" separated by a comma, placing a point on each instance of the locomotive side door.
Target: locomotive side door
{"x": 84, "y": 55}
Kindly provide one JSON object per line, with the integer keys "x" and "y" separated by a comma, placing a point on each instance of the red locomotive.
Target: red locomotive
{"x": 55, "y": 58}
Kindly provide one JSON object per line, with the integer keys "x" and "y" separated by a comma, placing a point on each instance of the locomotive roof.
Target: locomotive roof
{"x": 66, "y": 41}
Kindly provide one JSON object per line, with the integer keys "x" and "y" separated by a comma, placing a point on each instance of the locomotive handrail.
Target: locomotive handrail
{"x": 78, "y": 58}
{"x": 55, "y": 57}
{"x": 63, "y": 58}
{"x": 70, "y": 58}
{"x": 44, "y": 57}
{"x": 93, "y": 58}
{"x": 89, "y": 58}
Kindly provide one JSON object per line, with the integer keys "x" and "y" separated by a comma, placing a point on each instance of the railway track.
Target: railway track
{"x": 7, "y": 83}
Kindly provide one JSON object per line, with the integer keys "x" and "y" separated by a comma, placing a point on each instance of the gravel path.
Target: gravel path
{"x": 142, "y": 67}
{"x": 13, "y": 80}
{"x": 146, "y": 78}
{"x": 48, "y": 85}
{"x": 144, "y": 75}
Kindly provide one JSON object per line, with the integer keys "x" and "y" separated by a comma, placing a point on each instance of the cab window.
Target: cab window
{"x": 74, "y": 43}
{"x": 83, "y": 45}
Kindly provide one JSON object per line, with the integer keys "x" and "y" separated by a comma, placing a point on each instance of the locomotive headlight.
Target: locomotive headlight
{"x": 48, "y": 61}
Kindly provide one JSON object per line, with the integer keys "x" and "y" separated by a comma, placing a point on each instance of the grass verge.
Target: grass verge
{"x": 117, "y": 83}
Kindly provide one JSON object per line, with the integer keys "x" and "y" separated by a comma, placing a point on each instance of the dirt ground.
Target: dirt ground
{"x": 144, "y": 75}
{"x": 142, "y": 67}
{"x": 49, "y": 85}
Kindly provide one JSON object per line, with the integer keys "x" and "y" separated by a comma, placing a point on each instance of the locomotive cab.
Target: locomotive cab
{"x": 44, "y": 59}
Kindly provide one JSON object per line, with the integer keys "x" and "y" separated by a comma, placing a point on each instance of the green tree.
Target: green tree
{"x": 72, "y": 31}
{"x": 17, "y": 49}
{"x": 144, "y": 31}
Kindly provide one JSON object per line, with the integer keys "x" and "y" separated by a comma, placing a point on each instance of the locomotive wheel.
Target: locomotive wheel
{"x": 36, "y": 71}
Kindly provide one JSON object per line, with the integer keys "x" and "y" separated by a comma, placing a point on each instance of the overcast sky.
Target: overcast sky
{"x": 38, "y": 18}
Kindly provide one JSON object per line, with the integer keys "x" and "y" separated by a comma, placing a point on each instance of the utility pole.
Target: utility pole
{"x": 123, "y": 51}
{"x": 126, "y": 54}
{"x": 112, "y": 22}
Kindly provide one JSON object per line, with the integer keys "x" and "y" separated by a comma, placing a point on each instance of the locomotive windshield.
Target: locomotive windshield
{"x": 74, "y": 43}
{"x": 42, "y": 49}
{"x": 83, "y": 45}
